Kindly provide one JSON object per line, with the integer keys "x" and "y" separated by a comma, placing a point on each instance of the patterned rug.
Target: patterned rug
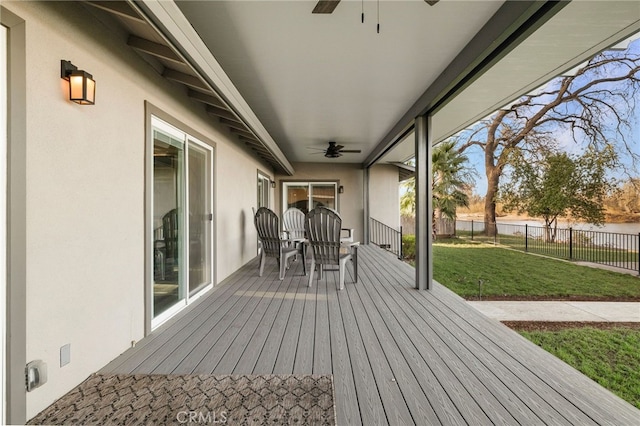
{"x": 106, "y": 399}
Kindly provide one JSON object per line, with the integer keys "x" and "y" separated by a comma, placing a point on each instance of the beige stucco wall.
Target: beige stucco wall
{"x": 85, "y": 193}
{"x": 350, "y": 203}
{"x": 384, "y": 197}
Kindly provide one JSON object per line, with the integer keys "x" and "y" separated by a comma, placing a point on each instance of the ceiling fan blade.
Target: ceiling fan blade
{"x": 325, "y": 6}
{"x": 431, "y": 2}
{"x": 355, "y": 151}
{"x": 338, "y": 147}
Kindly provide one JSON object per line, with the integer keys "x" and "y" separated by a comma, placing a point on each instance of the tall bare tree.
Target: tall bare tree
{"x": 595, "y": 104}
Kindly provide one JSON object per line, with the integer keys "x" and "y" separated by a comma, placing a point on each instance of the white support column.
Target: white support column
{"x": 424, "y": 208}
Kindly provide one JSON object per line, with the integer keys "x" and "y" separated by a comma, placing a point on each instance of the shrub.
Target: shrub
{"x": 409, "y": 247}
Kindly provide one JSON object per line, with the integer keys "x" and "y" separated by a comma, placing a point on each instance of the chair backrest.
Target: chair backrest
{"x": 170, "y": 232}
{"x": 323, "y": 225}
{"x": 293, "y": 221}
{"x": 268, "y": 227}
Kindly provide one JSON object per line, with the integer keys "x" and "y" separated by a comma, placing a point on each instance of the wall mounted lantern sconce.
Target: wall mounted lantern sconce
{"x": 82, "y": 86}
{"x": 273, "y": 183}
{"x": 340, "y": 189}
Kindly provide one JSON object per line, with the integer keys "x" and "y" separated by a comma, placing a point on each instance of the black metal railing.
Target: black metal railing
{"x": 606, "y": 248}
{"x": 385, "y": 237}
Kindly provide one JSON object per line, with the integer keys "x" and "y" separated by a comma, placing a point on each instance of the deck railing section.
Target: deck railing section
{"x": 607, "y": 248}
{"x": 385, "y": 237}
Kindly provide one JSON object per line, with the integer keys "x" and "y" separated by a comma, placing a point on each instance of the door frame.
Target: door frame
{"x": 16, "y": 237}
{"x": 192, "y": 136}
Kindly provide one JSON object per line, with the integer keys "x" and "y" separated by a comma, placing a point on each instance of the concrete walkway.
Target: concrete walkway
{"x": 560, "y": 311}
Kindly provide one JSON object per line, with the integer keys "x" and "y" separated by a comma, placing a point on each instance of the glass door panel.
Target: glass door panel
{"x": 323, "y": 194}
{"x": 200, "y": 208}
{"x": 297, "y": 195}
{"x": 168, "y": 221}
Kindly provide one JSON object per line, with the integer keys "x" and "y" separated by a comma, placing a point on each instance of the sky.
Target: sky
{"x": 565, "y": 140}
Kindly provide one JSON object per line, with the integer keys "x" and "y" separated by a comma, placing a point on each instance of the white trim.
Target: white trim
{"x": 3, "y": 221}
{"x": 184, "y": 297}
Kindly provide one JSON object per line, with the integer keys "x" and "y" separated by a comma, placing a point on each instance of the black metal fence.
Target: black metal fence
{"x": 607, "y": 248}
{"x": 385, "y": 237}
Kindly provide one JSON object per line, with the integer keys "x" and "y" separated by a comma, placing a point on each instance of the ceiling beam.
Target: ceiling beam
{"x": 155, "y": 49}
{"x": 234, "y": 124}
{"x": 508, "y": 27}
{"x": 186, "y": 79}
{"x": 221, "y": 113}
{"x": 243, "y": 133}
{"x": 119, "y": 8}
{"x": 207, "y": 99}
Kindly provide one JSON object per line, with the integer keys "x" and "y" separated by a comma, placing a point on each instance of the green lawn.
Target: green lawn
{"x": 459, "y": 265}
{"x": 609, "y": 357}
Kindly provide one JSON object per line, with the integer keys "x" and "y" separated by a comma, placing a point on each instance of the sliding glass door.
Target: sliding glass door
{"x": 182, "y": 219}
{"x": 308, "y": 195}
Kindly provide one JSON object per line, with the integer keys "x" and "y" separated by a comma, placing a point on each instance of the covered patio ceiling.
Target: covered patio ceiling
{"x": 311, "y": 78}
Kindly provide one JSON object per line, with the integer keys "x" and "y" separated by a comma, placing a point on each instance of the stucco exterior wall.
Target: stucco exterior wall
{"x": 351, "y": 177}
{"x": 85, "y": 193}
{"x": 384, "y": 196}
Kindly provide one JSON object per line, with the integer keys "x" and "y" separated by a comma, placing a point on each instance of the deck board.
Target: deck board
{"x": 398, "y": 356}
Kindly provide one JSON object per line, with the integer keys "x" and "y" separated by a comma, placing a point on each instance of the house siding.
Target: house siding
{"x": 85, "y": 216}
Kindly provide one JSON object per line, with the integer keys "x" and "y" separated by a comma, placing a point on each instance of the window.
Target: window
{"x": 264, "y": 185}
{"x": 305, "y": 195}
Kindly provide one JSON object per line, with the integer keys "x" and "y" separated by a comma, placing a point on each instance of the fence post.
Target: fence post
{"x": 471, "y": 230}
{"x": 400, "y": 257}
{"x": 526, "y": 237}
{"x": 570, "y": 243}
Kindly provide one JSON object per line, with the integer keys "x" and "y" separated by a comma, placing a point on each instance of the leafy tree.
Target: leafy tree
{"x": 558, "y": 184}
{"x": 595, "y": 105}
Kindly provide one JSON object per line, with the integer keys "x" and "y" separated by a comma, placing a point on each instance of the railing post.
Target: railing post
{"x": 638, "y": 248}
{"x": 526, "y": 237}
{"x": 571, "y": 244}
{"x": 400, "y": 257}
{"x": 471, "y": 230}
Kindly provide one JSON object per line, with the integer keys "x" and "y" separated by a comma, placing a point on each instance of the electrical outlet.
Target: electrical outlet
{"x": 65, "y": 354}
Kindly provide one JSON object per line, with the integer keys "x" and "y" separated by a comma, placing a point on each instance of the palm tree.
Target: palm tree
{"x": 451, "y": 177}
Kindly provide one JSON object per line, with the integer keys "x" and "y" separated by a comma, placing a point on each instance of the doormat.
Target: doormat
{"x": 122, "y": 399}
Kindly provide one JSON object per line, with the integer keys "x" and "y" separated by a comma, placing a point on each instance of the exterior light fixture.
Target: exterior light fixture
{"x": 82, "y": 86}
{"x": 340, "y": 189}
{"x": 273, "y": 183}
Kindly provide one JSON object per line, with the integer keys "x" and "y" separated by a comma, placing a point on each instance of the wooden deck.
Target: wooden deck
{"x": 398, "y": 356}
